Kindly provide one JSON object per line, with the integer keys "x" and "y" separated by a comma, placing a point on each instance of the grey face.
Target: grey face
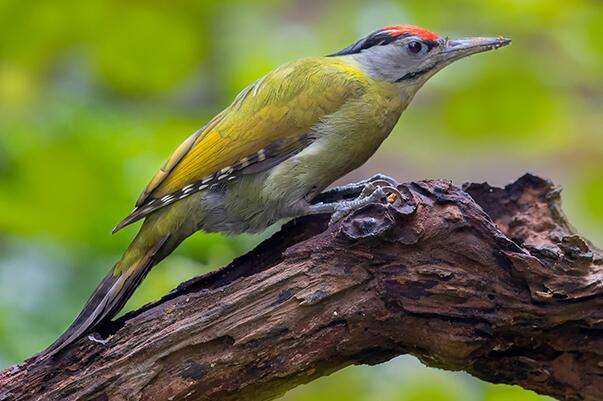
{"x": 411, "y": 60}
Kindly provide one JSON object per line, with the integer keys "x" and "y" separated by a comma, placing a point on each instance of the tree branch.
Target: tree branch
{"x": 487, "y": 280}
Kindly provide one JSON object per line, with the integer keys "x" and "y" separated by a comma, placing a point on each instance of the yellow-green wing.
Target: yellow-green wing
{"x": 272, "y": 117}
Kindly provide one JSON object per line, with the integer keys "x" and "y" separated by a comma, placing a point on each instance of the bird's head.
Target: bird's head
{"x": 410, "y": 55}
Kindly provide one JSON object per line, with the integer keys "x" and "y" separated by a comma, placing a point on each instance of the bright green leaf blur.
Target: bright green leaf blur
{"x": 94, "y": 95}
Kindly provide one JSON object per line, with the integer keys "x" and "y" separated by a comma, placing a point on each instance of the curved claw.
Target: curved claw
{"x": 372, "y": 188}
{"x": 383, "y": 183}
{"x": 382, "y": 178}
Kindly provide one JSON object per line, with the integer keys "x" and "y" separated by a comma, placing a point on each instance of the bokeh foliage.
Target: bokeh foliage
{"x": 95, "y": 94}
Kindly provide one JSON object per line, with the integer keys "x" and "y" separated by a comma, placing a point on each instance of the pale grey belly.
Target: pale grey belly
{"x": 239, "y": 207}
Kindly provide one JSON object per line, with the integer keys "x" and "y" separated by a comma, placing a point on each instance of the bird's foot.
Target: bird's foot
{"x": 372, "y": 192}
{"x": 92, "y": 338}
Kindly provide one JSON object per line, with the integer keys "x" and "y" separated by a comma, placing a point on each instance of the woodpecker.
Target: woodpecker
{"x": 283, "y": 140}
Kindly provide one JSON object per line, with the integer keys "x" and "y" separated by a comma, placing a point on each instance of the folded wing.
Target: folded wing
{"x": 268, "y": 121}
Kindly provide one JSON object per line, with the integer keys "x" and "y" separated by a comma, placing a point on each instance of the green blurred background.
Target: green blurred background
{"x": 94, "y": 95}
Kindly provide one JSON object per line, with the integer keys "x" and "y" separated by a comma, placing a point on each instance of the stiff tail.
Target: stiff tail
{"x": 116, "y": 288}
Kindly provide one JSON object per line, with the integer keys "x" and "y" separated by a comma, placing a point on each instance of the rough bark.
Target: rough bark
{"x": 493, "y": 281}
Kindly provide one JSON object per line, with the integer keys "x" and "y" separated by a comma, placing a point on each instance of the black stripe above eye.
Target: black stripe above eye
{"x": 378, "y": 38}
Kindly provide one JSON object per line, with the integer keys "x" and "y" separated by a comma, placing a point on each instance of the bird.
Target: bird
{"x": 282, "y": 141}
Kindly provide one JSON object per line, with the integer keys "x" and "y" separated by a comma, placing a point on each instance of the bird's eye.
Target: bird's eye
{"x": 415, "y": 47}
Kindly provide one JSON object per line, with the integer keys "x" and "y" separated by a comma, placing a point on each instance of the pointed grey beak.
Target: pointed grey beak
{"x": 459, "y": 48}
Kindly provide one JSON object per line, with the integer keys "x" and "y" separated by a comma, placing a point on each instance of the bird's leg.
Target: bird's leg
{"x": 355, "y": 187}
{"x": 371, "y": 192}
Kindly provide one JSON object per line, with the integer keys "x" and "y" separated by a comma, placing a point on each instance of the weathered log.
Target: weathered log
{"x": 488, "y": 280}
